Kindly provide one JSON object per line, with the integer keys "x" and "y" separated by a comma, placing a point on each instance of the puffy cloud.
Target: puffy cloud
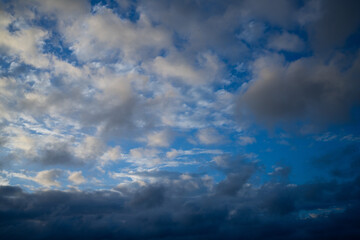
{"x": 209, "y": 136}
{"x": 333, "y": 26}
{"x": 105, "y": 87}
{"x": 4, "y": 181}
{"x": 56, "y": 154}
{"x": 145, "y": 156}
{"x": 46, "y": 178}
{"x": 159, "y": 139}
{"x": 77, "y": 178}
{"x": 172, "y": 154}
{"x": 287, "y": 42}
{"x": 25, "y": 43}
{"x": 111, "y": 155}
{"x": 115, "y": 37}
{"x": 205, "y": 70}
{"x": 90, "y": 148}
{"x": 306, "y": 89}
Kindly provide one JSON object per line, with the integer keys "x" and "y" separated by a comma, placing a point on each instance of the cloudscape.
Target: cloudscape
{"x": 184, "y": 120}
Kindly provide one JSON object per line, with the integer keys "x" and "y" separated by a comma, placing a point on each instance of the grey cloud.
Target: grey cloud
{"x": 213, "y": 26}
{"x": 3, "y": 141}
{"x": 233, "y": 183}
{"x": 336, "y": 22}
{"x": 307, "y": 89}
{"x": 56, "y": 154}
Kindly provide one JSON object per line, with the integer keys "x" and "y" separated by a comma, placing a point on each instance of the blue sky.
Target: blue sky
{"x": 235, "y": 108}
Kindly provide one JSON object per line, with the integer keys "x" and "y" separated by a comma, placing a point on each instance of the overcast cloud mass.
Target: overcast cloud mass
{"x": 194, "y": 119}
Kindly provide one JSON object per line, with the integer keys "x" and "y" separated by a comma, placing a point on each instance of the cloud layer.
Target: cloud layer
{"x": 179, "y": 119}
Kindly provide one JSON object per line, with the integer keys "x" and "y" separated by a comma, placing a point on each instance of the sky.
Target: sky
{"x": 194, "y": 119}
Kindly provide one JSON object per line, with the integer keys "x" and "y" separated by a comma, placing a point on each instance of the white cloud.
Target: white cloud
{"x": 91, "y": 147}
{"x": 77, "y": 178}
{"x": 159, "y": 139}
{"x": 111, "y": 155}
{"x": 48, "y": 178}
{"x": 25, "y": 43}
{"x": 106, "y": 31}
{"x": 209, "y": 136}
{"x": 177, "y": 67}
{"x": 4, "y": 181}
{"x": 144, "y": 157}
{"x": 172, "y": 154}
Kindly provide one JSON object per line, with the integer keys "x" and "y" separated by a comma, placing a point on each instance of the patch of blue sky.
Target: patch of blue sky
{"x": 125, "y": 11}
{"x": 180, "y": 41}
{"x": 56, "y": 46}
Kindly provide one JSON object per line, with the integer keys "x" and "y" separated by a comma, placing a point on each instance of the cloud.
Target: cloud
{"x": 149, "y": 197}
{"x": 100, "y": 90}
{"x": 159, "y": 139}
{"x": 209, "y": 136}
{"x": 245, "y": 140}
{"x": 342, "y": 162}
{"x": 145, "y": 156}
{"x": 287, "y": 42}
{"x": 254, "y": 213}
{"x": 56, "y": 154}
{"x": 238, "y": 172}
{"x": 206, "y": 69}
{"x": 47, "y": 178}
{"x": 281, "y": 171}
{"x": 304, "y": 90}
{"x": 25, "y": 43}
{"x": 114, "y": 36}
{"x": 173, "y": 153}
{"x": 111, "y": 155}
{"x": 90, "y": 148}
{"x": 4, "y": 181}
{"x": 334, "y": 26}
{"x": 77, "y": 178}
{"x": 281, "y": 14}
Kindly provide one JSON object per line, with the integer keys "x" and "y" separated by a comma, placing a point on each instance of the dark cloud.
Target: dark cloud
{"x": 169, "y": 210}
{"x": 149, "y": 197}
{"x": 343, "y": 162}
{"x": 274, "y": 211}
{"x": 336, "y": 22}
{"x": 238, "y": 172}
